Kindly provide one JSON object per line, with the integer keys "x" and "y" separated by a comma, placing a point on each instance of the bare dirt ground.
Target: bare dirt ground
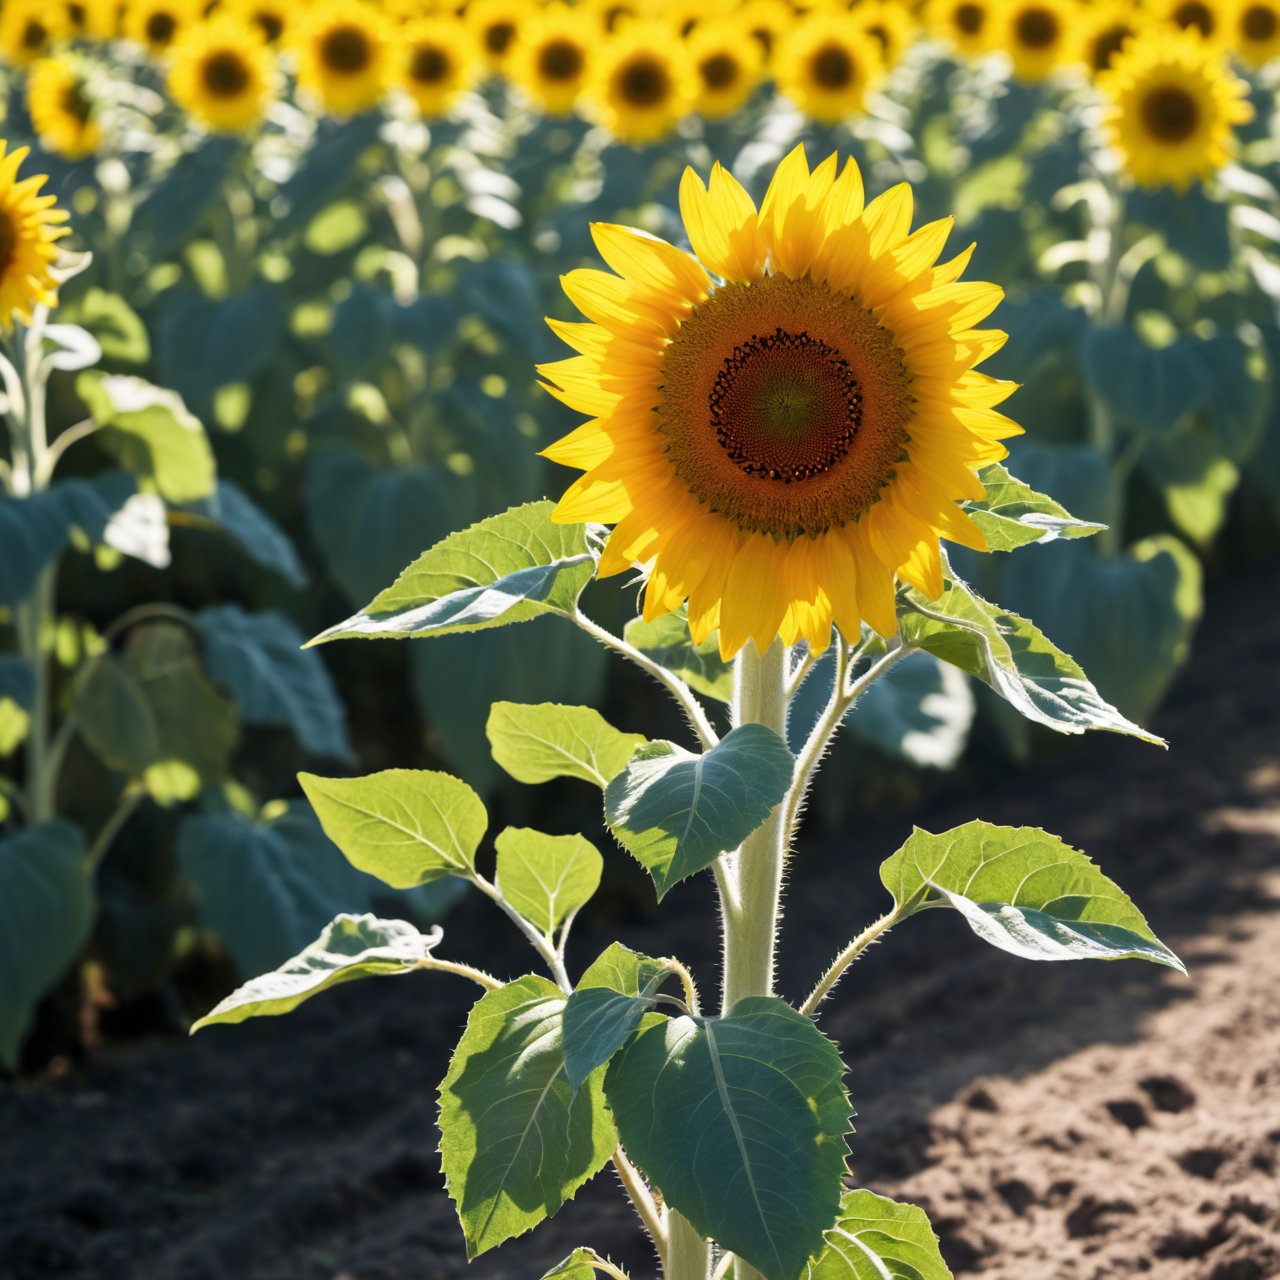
{"x": 1059, "y": 1122}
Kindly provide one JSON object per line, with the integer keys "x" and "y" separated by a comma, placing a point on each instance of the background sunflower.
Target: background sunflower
{"x": 223, "y": 74}
{"x": 729, "y": 64}
{"x": 343, "y": 50}
{"x": 827, "y": 65}
{"x": 642, "y": 82}
{"x": 62, "y": 112}
{"x": 30, "y": 227}
{"x": 552, "y": 56}
{"x": 439, "y": 61}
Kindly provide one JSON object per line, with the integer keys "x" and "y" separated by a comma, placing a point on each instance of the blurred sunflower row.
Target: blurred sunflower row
{"x": 641, "y": 67}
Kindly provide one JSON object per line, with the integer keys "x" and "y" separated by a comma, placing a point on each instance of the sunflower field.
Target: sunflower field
{"x": 654, "y": 327}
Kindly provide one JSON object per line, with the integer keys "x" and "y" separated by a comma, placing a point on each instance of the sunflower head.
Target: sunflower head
{"x": 642, "y": 82}
{"x": 1206, "y": 18}
{"x": 889, "y": 25}
{"x": 1039, "y": 36}
{"x": 496, "y": 24}
{"x": 785, "y": 424}
{"x": 1255, "y": 30}
{"x": 766, "y": 22}
{"x": 729, "y": 65}
{"x": 61, "y": 108}
{"x": 93, "y": 19}
{"x": 553, "y": 55}
{"x": 223, "y": 74}
{"x": 1107, "y": 27}
{"x": 158, "y": 23}
{"x": 30, "y": 227}
{"x": 270, "y": 18}
{"x": 438, "y": 62}
{"x": 827, "y": 64}
{"x": 344, "y": 54}
{"x": 1172, "y": 108}
{"x": 29, "y": 29}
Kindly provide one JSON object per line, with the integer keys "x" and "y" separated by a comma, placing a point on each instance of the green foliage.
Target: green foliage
{"x": 676, "y": 812}
{"x": 405, "y": 826}
{"x": 350, "y": 947}
{"x": 750, "y": 1146}
{"x": 546, "y": 878}
{"x": 667, "y": 641}
{"x": 875, "y": 1238}
{"x": 1014, "y": 515}
{"x": 46, "y": 909}
{"x": 581, "y": 1264}
{"x": 17, "y": 694}
{"x": 517, "y": 1140}
{"x": 536, "y": 743}
{"x": 1024, "y": 891}
{"x": 1151, "y": 388}
{"x": 230, "y": 509}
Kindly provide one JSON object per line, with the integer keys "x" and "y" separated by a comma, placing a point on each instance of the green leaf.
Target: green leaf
{"x": 350, "y": 947}
{"x": 581, "y": 1264}
{"x": 1236, "y": 405}
{"x": 259, "y": 658}
{"x": 263, "y": 541}
{"x": 17, "y": 697}
{"x": 244, "y": 335}
{"x": 267, "y": 887}
{"x": 875, "y": 1238}
{"x": 1026, "y": 892}
{"x": 747, "y": 1137}
{"x": 405, "y": 826}
{"x": 149, "y": 712}
{"x": 667, "y": 641}
{"x": 153, "y": 434}
{"x": 606, "y": 1007}
{"x": 46, "y": 910}
{"x": 1148, "y": 387}
{"x": 546, "y": 877}
{"x": 1013, "y": 657}
{"x": 539, "y": 742}
{"x": 1196, "y": 480}
{"x": 509, "y": 568}
{"x": 119, "y": 329}
{"x": 516, "y": 1140}
{"x": 677, "y": 812}
{"x": 1013, "y": 514}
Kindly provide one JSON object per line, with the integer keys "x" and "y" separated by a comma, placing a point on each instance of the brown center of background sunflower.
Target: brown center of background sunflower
{"x": 1170, "y": 113}
{"x": 1037, "y": 28}
{"x": 560, "y": 60}
{"x": 8, "y": 241}
{"x": 498, "y": 37}
{"x": 76, "y": 16}
{"x": 161, "y": 28}
{"x": 75, "y": 104}
{"x": 644, "y": 82}
{"x": 785, "y": 407}
{"x": 35, "y": 34}
{"x": 224, "y": 74}
{"x": 719, "y": 71}
{"x": 833, "y": 67}
{"x": 969, "y": 18}
{"x": 428, "y": 64}
{"x": 1107, "y": 44}
{"x": 1258, "y": 22}
{"x": 765, "y": 37}
{"x": 1197, "y": 15}
{"x": 270, "y": 24}
{"x": 346, "y": 50}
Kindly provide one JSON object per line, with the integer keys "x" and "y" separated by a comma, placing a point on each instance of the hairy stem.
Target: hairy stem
{"x": 478, "y": 976}
{"x": 835, "y": 971}
{"x": 542, "y": 945}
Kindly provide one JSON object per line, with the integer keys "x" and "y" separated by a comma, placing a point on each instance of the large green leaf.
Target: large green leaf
{"x": 1148, "y": 387}
{"x": 1236, "y": 405}
{"x": 516, "y": 1140}
{"x": 153, "y": 434}
{"x": 230, "y": 509}
{"x": 34, "y": 530}
{"x": 405, "y": 826}
{"x": 546, "y": 877}
{"x": 667, "y": 641}
{"x": 120, "y": 331}
{"x": 606, "y": 1007}
{"x": 536, "y": 742}
{"x": 509, "y": 568}
{"x": 1013, "y": 657}
{"x": 1024, "y": 891}
{"x": 149, "y": 712}
{"x": 267, "y": 887}
{"x": 746, "y": 1135}
{"x": 879, "y": 1239}
{"x": 46, "y": 910}
{"x": 1014, "y": 515}
{"x": 17, "y": 696}
{"x": 259, "y": 658}
{"x": 1195, "y": 478}
{"x": 350, "y": 947}
{"x": 676, "y": 812}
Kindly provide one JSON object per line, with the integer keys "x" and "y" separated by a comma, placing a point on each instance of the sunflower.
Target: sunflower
{"x": 496, "y": 26}
{"x": 767, "y": 21}
{"x": 729, "y": 65}
{"x": 777, "y": 447}
{"x": 890, "y": 24}
{"x": 223, "y": 74}
{"x": 94, "y": 19}
{"x": 1255, "y": 31}
{"x": 30, "y": 226}
{"x": 1107, "y": 26}
{"x": 344, "y": 55}
{"x": 29, "y": 29}
{"x": 158, "y": 23}
{"x": 642, "y": 82}
{"x": 826, "y": 66}
{"x": 967, "y": 25}
{"x": 1172, "y": 105}
{"x": 270, "y": 17}
{"x": 438, "y": 60}
{"x": 61, "y": 110}
{"x": 685, "y": 17}
{"x": 1038, "y": 35}
{"x": 552, "y": 55}
{"x": 613, "y": 14}
{"x": 1208, "y": 18}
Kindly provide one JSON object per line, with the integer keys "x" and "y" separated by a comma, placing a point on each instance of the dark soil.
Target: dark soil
{"x": 1059, "y": 1122}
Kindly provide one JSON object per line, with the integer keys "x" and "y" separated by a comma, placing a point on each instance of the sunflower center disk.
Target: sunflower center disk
{"x": 428, "y": 65}
{"x": 643, "y": 82}
{"x": 1171, "y": 114}
{"x": 785, "y": 406}
{"x": 969, "y": 18}
{"x": 1258, "y": 22}
{"x": 8, "y": 241}
{"x": 561, "y": 60}
{"x": 225, "y": 75}
{"x": 346, "y": 50}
